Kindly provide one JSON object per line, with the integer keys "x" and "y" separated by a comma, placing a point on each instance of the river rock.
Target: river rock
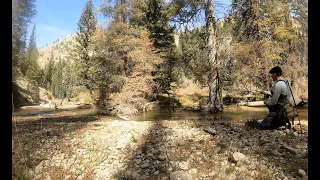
{"x": 241, "y": 178}
{"x": 237, "y": 156}
{"x": 145, "y": 165}
{"x": 180, "y": 175}
{"x": 162, "y": 157}
{"x": 184, "y": 165}
{"x": 210, "y": 130}
{"x": 193, "y": 171}
{"x": 302, "y": 172}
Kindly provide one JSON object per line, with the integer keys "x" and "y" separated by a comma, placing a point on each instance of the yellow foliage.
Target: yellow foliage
{"x": 133, "y": 44}
{"x": 283, "y": 33}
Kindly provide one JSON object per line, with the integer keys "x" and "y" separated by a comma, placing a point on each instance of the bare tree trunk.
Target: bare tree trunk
{"x": 305, "y": 50}
{"x": 265, "y": 77}
{"x": 123, "y": 11}
{"x": 215, "y": 97}
{"x": 102, "y": 103}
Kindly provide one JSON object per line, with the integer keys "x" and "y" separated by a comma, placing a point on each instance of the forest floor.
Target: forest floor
{"x": 66, "y": 145}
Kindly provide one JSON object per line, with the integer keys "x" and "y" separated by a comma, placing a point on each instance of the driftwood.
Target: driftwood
{"x": 260, "y": 103}
{"x": 210, "y": 130}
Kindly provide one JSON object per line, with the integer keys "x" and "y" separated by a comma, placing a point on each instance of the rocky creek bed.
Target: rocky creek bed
{"x": 64, "y": 146}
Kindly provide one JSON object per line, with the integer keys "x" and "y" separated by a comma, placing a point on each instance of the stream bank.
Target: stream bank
{"x": 69, "y": 145}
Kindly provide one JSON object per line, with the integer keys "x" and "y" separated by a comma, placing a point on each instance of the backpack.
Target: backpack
{"x": 289, "y": 109}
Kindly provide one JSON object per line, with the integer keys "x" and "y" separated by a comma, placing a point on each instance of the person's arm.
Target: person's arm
{"x": 275, "y": 95}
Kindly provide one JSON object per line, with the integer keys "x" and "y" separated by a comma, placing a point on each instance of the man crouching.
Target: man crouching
{"x": 276, "y": 117}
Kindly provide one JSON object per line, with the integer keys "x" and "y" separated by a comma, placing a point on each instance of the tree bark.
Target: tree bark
{"x": 215, "y": 97}
{"x": 123, "y": 11}
{"x": 266, "y": 77}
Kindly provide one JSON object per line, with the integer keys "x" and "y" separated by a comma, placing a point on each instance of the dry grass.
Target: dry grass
{"x": 192, "y": 88}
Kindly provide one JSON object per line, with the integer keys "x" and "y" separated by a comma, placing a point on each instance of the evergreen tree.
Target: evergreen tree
{"x": 119, "y": 12}
{"x": 153, "y": 16}
{"x": 48, "y": 71}
{"x": 86, "y": 25}
{"x": 224, "y": 42}
{"x": 31, "y": 66}
{"x": 57, "y": 80}
{"x": 22, "y": 12}
{"x": 31, "y": 53}
{"x": 193, "y": 46}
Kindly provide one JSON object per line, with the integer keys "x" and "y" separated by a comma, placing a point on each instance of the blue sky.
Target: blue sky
{"x": 57, "y": 19}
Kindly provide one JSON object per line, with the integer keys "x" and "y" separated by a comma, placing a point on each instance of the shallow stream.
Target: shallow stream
{"x": 178, "y": 114}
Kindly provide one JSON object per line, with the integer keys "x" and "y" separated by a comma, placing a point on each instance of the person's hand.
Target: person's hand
{"x": 267, "y": 92}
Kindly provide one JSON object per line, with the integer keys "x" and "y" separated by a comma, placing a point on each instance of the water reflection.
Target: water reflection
{"x": 179, "y": 114}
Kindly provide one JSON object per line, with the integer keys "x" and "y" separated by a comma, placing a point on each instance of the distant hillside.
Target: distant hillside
{"x": 60, "y": 49}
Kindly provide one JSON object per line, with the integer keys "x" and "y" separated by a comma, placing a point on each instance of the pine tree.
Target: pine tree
{"x": 57, "y": 80}
{"x": 119, "y": 12}
{"x": 22, "y": 12}
{"x": 48, "y": 72}
{"x": 87, "y": 26}
{"x": 31, "y": 66}
{"x": 152, "y": 15}
{"x": 193, "y": 46}
{"x": 31, "y": 53}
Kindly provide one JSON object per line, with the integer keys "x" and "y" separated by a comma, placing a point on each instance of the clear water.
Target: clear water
{"x": 165, "y": 114}
{"x": 179, "y": 114}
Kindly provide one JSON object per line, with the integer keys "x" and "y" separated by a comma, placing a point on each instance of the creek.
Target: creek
{"x": 231, "y": 113}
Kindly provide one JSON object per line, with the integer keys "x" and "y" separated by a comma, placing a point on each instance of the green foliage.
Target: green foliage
{"x": 71, "y": 79}
{"x": 153, "y": 16}
{"x": 224, "y": 42}
{"x": 22, "y": 12}
{"x": 48, "y": 72}
{"x": 57, "y": 86}
{"x": 117, "y": 10}
{"x": 194, "y": 54}
{"x": 30, "y": 67}
{"x": 257, "y": 36}
{"x": 87, "y": 26}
